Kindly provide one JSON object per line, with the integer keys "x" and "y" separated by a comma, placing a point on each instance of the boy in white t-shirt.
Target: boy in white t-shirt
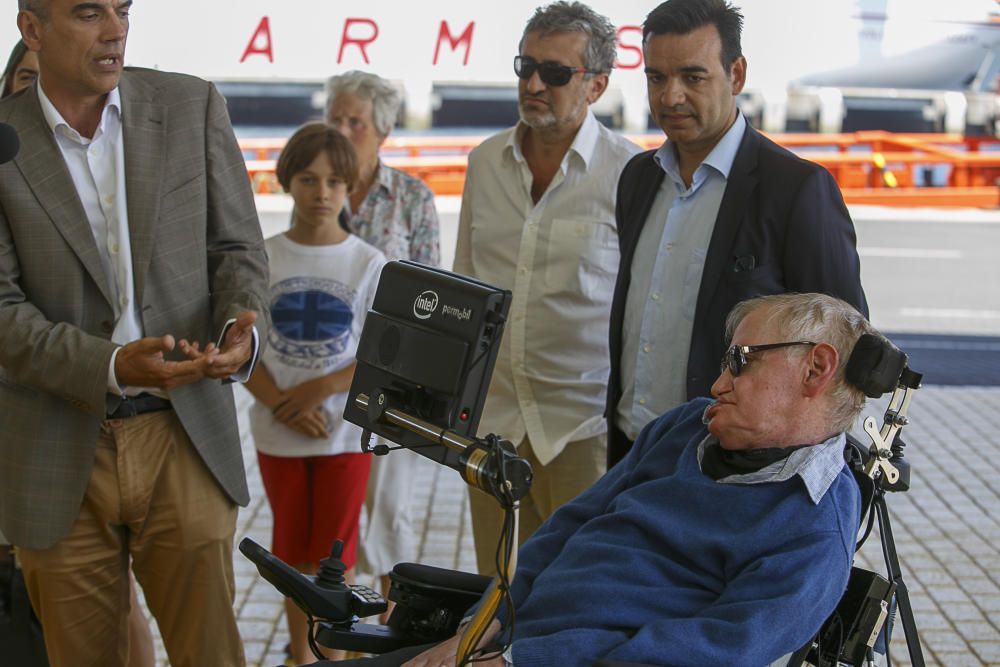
{"x": 323, "y": 280}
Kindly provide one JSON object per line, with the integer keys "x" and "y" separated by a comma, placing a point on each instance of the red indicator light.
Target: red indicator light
{"x": 464, "y": 416}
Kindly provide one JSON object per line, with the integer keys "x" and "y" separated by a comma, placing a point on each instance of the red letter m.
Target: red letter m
{"x": 465, "y": 39}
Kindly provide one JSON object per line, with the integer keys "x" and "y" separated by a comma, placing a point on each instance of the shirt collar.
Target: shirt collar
{"x": 818, "y": 466}
{"x": 584, "y": 143}
{"x": 383, "y": 176}
{"x": 56, "y": 121}
{"x": 721, "y": 158}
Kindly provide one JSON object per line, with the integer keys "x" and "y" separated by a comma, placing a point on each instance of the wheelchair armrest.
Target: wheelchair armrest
{"x": 440, "y": 579}
{"x": 444, "y": 594}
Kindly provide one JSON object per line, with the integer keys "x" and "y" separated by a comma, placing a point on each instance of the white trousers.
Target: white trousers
{"x": 388, "y": 537}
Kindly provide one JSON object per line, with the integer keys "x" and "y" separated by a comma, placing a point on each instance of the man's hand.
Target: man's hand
{"x": 221, "y": 362}
{"x": 445, "y": 653}
{"x": 300, "y": 399}
{"x": 141, "y": 364}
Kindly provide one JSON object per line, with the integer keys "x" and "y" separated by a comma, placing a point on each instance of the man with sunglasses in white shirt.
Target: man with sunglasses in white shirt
{"x": 538, "y": 218}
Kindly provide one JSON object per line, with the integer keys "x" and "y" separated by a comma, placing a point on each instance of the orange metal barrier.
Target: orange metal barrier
{"x": 874, "y": 167}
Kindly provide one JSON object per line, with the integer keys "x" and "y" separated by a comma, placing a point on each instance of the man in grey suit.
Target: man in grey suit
{"x": 128, "y": 240}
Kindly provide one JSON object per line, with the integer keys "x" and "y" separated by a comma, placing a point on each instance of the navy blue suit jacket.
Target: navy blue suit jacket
{"x": 782, "y": 227}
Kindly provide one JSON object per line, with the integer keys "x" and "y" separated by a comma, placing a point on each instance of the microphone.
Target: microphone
{"x": 9, "y": 143}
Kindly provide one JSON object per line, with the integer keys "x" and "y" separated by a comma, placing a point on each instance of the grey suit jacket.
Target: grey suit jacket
{"x": 198, "y": 259}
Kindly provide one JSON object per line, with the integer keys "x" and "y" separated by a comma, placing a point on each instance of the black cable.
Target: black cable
{"x": 868, "y": 530}
{"x": 310, "y": 634}
{"x": 504, "y": 552}
{"x": 840, "y": 640}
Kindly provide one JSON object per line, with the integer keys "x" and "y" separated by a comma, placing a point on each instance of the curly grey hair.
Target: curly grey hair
{"x": 577, "y": 17}
{"x": 822, "y": 319}
{"x": 386, "y": 99}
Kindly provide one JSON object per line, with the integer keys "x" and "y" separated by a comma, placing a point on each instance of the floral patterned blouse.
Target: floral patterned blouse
{"x": 398, "y": 217}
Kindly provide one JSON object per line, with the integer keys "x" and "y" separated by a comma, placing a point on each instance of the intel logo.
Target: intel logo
{"x": 425, "y": 305}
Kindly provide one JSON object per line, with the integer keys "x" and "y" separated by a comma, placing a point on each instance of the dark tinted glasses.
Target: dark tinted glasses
{"x": 735, "y": 358}
{"x": 551, "y": 74}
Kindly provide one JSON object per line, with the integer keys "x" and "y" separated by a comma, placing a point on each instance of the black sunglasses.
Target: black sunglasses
{"x": 551, "y": 74}
{"x": 735, "y": 358}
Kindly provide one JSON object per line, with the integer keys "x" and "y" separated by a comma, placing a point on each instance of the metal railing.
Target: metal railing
{"x": 873, "y": 167}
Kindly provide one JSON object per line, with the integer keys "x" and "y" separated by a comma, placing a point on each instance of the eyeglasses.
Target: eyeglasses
{"x": 551, "y": 74}
{"x": 735, "y": 358}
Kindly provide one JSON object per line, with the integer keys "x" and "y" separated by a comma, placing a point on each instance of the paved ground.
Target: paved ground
{"x": 947, "y": 531}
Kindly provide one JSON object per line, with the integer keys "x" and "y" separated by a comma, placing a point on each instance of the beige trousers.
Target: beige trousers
{"x": 150, "y": 496}
{"x": 578, "y": 466}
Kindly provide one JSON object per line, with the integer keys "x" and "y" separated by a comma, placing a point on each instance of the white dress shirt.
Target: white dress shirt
{"x": 559, "y": 257}
{"x": 666, "y": 278}
{"x": 97, "y": 167}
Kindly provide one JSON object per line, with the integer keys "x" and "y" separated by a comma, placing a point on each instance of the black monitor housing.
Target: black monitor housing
{"x": 429, "y": 342}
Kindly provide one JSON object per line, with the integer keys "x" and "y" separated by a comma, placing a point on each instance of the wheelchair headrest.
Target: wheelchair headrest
{"x": 875, "y": 365}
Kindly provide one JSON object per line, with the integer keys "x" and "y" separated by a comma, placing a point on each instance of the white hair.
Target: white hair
{"x": 386, "y": 99}
{"x": 821, "y": 319}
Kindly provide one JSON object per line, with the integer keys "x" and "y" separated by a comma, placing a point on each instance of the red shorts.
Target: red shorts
{"x": 315, "y": 500}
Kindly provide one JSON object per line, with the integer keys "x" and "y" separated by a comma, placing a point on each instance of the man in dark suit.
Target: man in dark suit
{"x": 128, "y": 235}
{"x": 717, "y": 215}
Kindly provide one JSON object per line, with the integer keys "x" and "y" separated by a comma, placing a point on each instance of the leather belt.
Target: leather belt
{"x": 138, "y": 405}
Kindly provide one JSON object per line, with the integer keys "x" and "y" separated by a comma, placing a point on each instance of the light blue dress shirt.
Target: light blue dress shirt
{"x": 666, "y": 276}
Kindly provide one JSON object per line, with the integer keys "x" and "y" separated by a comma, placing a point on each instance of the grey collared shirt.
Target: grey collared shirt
{"x": 818, "y": 466}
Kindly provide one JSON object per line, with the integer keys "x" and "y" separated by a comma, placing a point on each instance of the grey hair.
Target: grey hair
{"x": 37, "y": 7}
{"x": 386, "y": 99}
{"x": 821, "y": 319}
{"x": 562, "y": 16}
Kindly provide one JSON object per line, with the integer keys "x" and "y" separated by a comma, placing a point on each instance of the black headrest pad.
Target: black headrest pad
{"x": 875, "y": 365}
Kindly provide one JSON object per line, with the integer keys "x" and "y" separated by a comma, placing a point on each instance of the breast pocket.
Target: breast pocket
{"x": 582, "y": 256}
{"x": 762, "y": 280}
{"x": 184, "y": 200}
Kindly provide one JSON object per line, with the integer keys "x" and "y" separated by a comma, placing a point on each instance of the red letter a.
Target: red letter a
{"x": 263, "y": 30}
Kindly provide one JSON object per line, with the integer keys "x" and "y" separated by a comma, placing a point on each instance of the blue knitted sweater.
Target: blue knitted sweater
{"x": 657, "y": 563}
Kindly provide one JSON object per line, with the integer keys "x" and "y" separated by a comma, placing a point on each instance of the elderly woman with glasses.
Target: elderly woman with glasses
{"x": 394, "y": 212}
{"x": 389, "y": 209}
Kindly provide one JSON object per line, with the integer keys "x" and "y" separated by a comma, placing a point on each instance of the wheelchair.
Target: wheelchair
{"x": 432, "y": 602}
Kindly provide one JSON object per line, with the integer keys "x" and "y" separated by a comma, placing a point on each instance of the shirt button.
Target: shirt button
{"x": 109, "y": 199}
{"x": 523, "y": 271}
{"x": 114, "y": 248}
{"x": 656, "y": 297}
{"x": 123, "y": 301}
{"x": 642, "y": 401}
{"x": 646, "y": 348}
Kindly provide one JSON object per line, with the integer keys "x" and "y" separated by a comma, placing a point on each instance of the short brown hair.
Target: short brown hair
{"x": 309, "y": 141}
{"x": 16, "y": 56}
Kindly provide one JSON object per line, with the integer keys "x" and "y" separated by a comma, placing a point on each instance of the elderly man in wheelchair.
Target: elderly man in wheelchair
{"x": 727, "y": 534}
